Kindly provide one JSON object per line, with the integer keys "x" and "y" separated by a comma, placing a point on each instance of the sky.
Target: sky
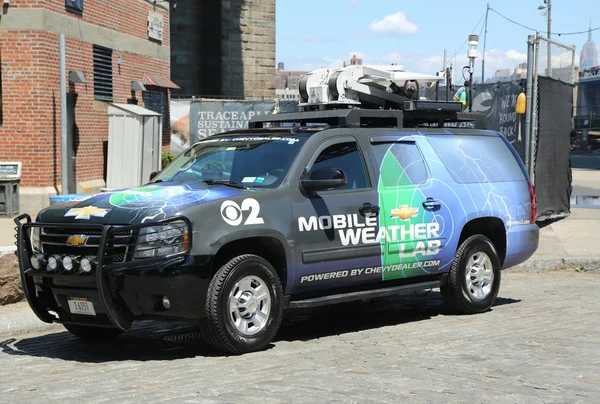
{"x": 324, "y": 33}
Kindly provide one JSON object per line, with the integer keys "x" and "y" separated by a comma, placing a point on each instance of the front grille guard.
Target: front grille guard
{"x": 103, "y": 272}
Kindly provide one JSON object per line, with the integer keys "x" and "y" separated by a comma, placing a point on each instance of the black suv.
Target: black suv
{"x": 301, "y": 210}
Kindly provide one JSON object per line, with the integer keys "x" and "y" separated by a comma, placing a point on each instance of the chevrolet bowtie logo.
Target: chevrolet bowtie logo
{"x": 77, "y": 240}
{"x": 404, "y": 212}
{"x": 87, "y": 212}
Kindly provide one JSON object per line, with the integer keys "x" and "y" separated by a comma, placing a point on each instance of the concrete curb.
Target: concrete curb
{"x": 17, "y": 318}
{"x": 555, "y": 264}
{"x": 7, "y": 250}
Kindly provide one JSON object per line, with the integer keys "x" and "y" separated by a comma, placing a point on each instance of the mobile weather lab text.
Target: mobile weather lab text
{"x": 353, "y": 232}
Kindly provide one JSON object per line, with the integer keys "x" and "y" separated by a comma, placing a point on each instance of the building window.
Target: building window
{"x": 103, "y": 76}
{"x": 76, "y": 5}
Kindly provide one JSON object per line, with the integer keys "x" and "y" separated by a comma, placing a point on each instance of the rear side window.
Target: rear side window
{"x": 400, "y": 164}
{"x": 473, "y": 159}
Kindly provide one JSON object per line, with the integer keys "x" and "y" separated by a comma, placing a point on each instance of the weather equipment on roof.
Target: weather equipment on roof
{"x": 362, "y": 86}
{"x": 369, "y": 96}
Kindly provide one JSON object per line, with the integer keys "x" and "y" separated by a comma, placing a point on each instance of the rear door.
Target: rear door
{"x": 413, "y": 211}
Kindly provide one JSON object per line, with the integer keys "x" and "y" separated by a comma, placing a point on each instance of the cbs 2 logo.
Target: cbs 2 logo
{"x": 232, "y": 212}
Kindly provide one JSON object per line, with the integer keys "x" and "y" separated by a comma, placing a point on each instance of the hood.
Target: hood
{"x": 137, "y": 205}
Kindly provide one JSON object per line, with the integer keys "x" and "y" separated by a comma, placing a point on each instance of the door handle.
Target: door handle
{"x": 432, "y": 204}
{"x": 368, "y": 208}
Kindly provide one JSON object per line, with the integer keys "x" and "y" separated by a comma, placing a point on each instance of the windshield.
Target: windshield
{"x": 252, "y": 161}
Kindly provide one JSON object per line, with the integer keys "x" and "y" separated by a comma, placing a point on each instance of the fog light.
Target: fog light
{"x": 166, "y": 302}
{"x": 69, "y": 262}
{"x": 88, "y": 264}
{"x": 37, "y": 261}
{"x": 54, "y": 262}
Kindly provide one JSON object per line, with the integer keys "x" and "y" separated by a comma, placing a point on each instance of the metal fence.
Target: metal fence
{"x": 554, "y": 59}
{"x": 547, "y": 58}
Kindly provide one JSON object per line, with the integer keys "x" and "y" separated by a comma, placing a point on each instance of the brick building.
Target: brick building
{"x": 112, "y": 43}
{"x": 287, "y": 79}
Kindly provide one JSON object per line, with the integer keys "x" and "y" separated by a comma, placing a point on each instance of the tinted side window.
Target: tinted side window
{"x": 400, "y": 164}
{"x": 346, "y": 157}
{"x": 472, "y": 159}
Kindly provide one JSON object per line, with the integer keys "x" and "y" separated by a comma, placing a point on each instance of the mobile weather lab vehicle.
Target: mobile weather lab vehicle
{"x": 368, "y": 192}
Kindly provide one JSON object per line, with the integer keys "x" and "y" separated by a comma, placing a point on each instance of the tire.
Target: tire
{"x": 236, "y": 297}
{"x": 92, "y": 333}
{"x": 473, "y": 295}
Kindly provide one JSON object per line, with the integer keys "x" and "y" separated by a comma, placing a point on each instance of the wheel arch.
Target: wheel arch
{"x": 491, "y": 227}
{"x": 270, "y": 247}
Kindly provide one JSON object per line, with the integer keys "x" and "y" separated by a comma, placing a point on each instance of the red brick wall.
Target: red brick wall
{"x": 27, "y": 133}
{"x": 125, "y": 16}
{"x": 30, "y": 131}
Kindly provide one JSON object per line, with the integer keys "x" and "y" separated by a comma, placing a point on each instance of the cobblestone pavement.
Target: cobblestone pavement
{"x": 539, "y": 344}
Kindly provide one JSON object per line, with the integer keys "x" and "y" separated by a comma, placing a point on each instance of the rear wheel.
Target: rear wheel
{"x": 474, "y": 278}
{"x": 244, "y": 306}
{"x": 92, "y": 333}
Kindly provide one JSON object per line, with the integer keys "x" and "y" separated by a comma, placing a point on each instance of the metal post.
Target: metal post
{"x": 549, "y": 37}
{"x": 487, "y": 11}
{"x": 573, "y": 78}
{"x": 63, "y": 116}
{"x": 529, "y": 95}
{"x": 471, "y": 87}
{"x": 534, "y": 113}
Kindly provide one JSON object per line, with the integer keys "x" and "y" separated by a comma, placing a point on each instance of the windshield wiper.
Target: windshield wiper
{"x": 232, "y": 184}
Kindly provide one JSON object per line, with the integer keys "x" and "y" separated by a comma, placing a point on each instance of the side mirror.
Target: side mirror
{"x": 324, "y": 179}
{"x": 153, "y": 174}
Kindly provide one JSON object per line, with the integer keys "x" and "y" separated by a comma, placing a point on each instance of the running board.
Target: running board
{"x": 364, "y": 294}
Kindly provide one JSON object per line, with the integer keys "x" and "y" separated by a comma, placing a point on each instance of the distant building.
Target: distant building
{"x": 287, "y": 94}
{"x": 288, "y": 80}
{"x": 589, "y": 54}
{"x": 503, "y": 73}
{"x": 354, "y": 61}
{"x": 520, "y": 72}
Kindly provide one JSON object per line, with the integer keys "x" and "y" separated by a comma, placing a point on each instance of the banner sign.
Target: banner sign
{"x": 155, "y": 25}
{"x": 211, "y": 117}
{"x": 180, "y": 125}
{"x": 193, "y": 120}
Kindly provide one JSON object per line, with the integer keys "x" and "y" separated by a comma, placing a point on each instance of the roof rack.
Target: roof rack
{"x": 370, "y": 118}
{"x": 369, "y": 96}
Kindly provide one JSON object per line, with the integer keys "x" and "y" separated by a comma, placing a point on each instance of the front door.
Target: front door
{"x": 335, "y": 231}
{"x": 413, "y": 214}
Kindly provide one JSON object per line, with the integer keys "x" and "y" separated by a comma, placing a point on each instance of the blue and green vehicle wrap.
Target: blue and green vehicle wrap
{"x": 408, "y": 197}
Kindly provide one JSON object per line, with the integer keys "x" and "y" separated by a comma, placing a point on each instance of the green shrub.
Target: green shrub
{"x": 167, "y": 157}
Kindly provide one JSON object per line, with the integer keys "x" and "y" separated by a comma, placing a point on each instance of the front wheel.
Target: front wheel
{"x": 474, "y": 279}
{"x": 244, "y": 306}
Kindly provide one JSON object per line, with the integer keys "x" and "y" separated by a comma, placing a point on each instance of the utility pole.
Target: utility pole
{"x": 487, "y": 11}
{"x": 63, "y": 116}
{"x": 549, "y": 9}
{"x": 529, "y": 94}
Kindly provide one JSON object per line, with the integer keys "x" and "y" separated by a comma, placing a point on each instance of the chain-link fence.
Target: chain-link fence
{"x": 555, "y": 60}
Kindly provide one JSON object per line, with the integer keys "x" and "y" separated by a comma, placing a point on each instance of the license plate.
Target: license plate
{"x": 81, "y": 307}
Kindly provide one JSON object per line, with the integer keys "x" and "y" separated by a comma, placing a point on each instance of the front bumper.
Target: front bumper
{"x": 120, "y": 292}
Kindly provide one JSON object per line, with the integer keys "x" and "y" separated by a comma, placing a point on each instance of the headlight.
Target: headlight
{"x": 36, "y": 243}
{"x": 159, "y": 241}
